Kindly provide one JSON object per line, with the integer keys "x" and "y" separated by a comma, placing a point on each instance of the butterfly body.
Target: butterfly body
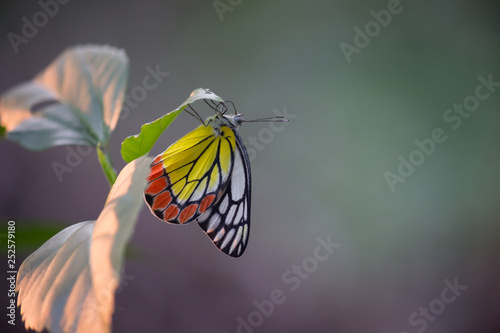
{"x": 205, "y": 176}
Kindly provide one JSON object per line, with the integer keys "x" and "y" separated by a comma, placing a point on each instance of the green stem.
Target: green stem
{"x": 107, "y": 166}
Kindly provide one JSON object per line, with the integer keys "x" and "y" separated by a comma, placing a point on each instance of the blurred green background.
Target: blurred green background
{"x": 320, "y": 176}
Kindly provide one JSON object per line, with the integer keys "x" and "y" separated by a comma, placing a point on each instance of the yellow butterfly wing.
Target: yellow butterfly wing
{"x": 191, "y": 175}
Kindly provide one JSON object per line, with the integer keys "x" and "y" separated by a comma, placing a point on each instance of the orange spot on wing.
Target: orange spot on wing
{"x": 156, "y": 171}
{"x": 171, "y": 213}
{"x": 156, "y": 160}
{"x": 187, "y": 213}
{"x": 206, "y": 202}
{"x": 153, "y": 176}
{"x": 161, "y": 201}
{"x": 156, "y": 186}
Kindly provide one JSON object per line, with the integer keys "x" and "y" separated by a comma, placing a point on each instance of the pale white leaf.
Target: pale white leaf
{"x": 77, "y": 99}
{"x": 200, "y": 93}
{"x": 68, "y": 284}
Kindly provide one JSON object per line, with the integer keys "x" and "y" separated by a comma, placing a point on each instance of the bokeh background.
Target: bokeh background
{"x": 320, "y": 176}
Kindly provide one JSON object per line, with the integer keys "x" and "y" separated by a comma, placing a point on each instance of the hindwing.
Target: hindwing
{"x": 227, "y": 222}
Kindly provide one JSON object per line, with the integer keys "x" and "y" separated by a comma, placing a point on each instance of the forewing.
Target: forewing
{"x": 190, "y": 176}
{"x": 227, "y": 222}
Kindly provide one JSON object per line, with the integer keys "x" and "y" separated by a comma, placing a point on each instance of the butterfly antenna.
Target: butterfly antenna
{"x": 276, "y": 119}
{"x": 223, "y": 107}
{"x": 234, "y": 107}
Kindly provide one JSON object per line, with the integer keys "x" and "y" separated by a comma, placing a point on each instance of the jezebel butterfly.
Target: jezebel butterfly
{"x": 205, "y": 176}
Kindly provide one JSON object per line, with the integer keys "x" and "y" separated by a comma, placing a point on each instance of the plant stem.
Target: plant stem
{"x": 107, "y": 166}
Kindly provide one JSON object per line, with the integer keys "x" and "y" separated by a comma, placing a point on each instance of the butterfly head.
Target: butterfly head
{"x": 221, "y": 119}
{"x": 233, "y": 121}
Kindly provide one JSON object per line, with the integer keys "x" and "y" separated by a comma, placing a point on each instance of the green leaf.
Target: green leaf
{"x": 107, "y": 167}
{"x": 138, "y": 145}
{"x": 76, "y": 100}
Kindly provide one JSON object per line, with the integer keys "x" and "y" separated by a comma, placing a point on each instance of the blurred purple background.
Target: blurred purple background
{"x": 321, "y": 176}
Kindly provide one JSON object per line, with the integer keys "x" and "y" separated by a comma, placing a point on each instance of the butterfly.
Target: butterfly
{"x": 205, "y": 177}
